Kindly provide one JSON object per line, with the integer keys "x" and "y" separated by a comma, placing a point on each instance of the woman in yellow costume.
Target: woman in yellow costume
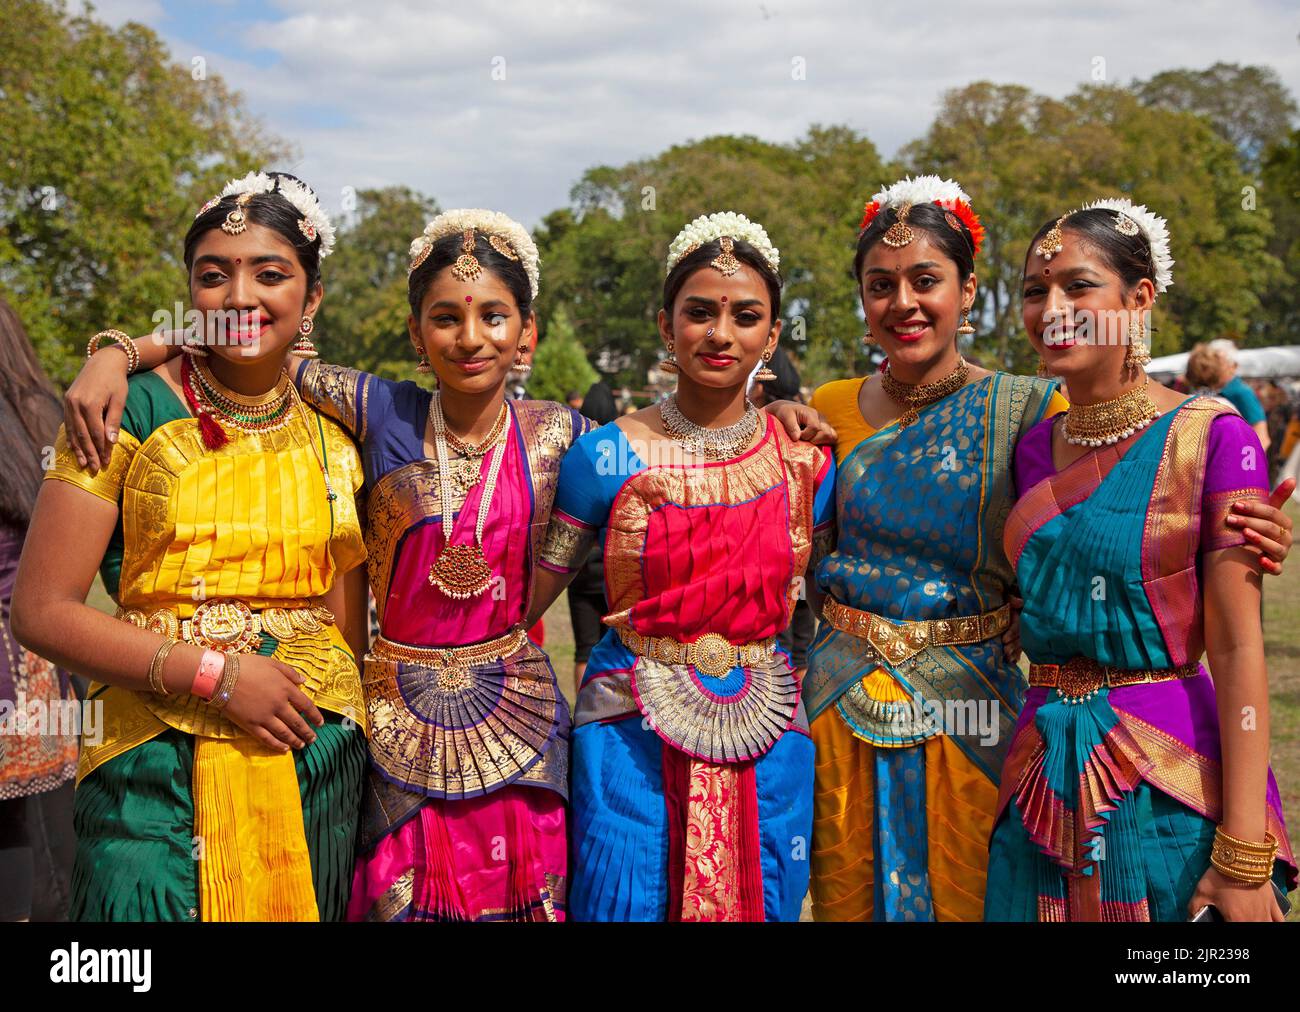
{"x": 224, "y": 779}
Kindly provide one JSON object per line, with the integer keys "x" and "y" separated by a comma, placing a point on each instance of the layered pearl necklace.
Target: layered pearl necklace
{"x": 715, "y": 444}
{"x": 1110, "y": 421}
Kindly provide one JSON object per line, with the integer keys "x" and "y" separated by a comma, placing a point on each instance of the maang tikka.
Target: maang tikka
{"x": 725, "y": 262}
{"x": 466, "y": 267}
{"x": 900, "y": 234}
{"x": 237, "y": 220}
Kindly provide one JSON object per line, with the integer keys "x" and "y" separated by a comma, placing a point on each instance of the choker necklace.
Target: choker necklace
{"x": 1110, "y": 421}
{"x": 915, "y": 396}
{"x": 217, "y": 406}
{"x": 462, "y": 571}
{"x": 715, "y": 444}
{"x": 466, "y": 469}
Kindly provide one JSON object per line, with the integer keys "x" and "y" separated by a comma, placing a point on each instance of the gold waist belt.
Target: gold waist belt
{"x": 898, "y": 642}
{"x": 1081, "y": 678}
{"x": 449, "y": 658}
{"x": 712, "y": 654}
{"x": 230, "y": 625}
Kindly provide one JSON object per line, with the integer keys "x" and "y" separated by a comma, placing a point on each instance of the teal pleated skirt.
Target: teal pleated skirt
{"x": 134, "y": 821}
{"x": 1172, "y": 854}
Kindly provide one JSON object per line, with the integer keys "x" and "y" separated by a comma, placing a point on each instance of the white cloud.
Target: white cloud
{"x": 386, "y": 92}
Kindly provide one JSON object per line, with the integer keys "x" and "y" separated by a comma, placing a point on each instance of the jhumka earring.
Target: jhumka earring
{"x": 1138, "y": 355}
{"x": 765, "y": 373}
{"x": 966, "y": 326}
{"x": 303, "y": 347}
{"x": 899, "y": 234}
{"x": 869, "y": 339}
{"x": 1043, "y": 371}
{"x": 422, "y": 365}
{"x": 192, "y": 344}
{"x": 521, "y": 366}
{"x": 725, "y": 262}
{"x": 466, "y": 267}
{"x": 236, "y": 221}
{"x": 669, "y": 364}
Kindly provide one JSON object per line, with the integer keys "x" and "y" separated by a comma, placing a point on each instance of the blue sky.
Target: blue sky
{"x": 504, "y": 104}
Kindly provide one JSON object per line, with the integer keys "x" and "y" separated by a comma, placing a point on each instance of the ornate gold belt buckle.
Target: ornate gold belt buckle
{"x": 225, "y": 626}
{"x": 712, "y": 654}
{"x": 1078, "y": 680}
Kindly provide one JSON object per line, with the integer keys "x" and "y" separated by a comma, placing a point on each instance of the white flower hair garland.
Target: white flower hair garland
{"x": 708, "y": 227}
{"x": 1154, "y": 228}
{"x": 490, "y": 223}
{"x": 314, "y": 222}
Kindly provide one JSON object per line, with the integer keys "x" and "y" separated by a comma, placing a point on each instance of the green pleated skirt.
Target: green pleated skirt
{"x": 134, "y": 821}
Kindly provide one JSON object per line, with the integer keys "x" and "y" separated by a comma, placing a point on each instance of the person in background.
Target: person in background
{"x": 1208, "y": 371}
{"x": 799, "y": 633}
{"x": 574, "y": 400}
{"x": 36, "y": 841}
{"x": 587, "y": 591}
{"x": 1240, "y": 394}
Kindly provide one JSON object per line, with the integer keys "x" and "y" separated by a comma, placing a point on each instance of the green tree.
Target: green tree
{"x": 603, "y": 255}
{"x": 1025, "y": 159}
{"x": 560, "y": 363}
{"x": 1280, "y": 192}
{"x": 362, "y": 321}
{"x": 109, "y": 150}
{"x": 1249, "y": 107}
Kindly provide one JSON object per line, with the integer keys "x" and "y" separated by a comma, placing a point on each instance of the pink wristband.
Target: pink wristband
{"x": 208, "y": 677}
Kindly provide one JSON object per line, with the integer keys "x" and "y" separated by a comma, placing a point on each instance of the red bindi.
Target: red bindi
{"x": 724, "y": 298}
{"x": 1047, "y": 272}
{"x": 238, "y": 260}
{"x": 469, "y": 298}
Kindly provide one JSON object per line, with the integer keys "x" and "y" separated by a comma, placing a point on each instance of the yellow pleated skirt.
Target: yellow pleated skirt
{"x": 959, "y": 802}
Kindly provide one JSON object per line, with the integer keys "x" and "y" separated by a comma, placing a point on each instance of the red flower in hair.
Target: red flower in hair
{"x": 968, "y": 218}
{"x": 868, "y": 213}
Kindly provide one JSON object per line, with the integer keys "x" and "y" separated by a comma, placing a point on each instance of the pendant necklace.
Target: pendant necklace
{"x": 462, "y": 571}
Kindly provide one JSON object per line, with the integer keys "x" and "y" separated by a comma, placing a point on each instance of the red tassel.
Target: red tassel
{"x": 214, "y": 436}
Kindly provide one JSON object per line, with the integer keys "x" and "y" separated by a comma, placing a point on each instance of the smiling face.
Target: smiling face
{"x": 252, "y": 292}
{"x": 913, "y": 299}
{"x": 470, "y": 331}
{"x": 720, "y": 326}
{"x": 1077, "y": 311}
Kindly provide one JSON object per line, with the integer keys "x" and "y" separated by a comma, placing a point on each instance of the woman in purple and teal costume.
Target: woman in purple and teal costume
{"x": 1136, "y": 788}
{"x": 692, "y": 765}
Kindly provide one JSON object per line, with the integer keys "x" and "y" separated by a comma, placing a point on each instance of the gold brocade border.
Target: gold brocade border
{"x": 332, "y": 390}
{"x": 711, "y": 890}
{"x": 1172, "y": 533}
{"x": 1218, "y": 506}
{"x": 567, "y": 542}
{"x": 107, "y": 483}
{"x": 775, "y": 461}
{"x": 396, "y": 898}
{"x": 398, "y": 501}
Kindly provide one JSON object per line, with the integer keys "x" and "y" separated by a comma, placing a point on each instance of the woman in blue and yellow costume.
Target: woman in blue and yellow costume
{"x": 221, "y": 778}
{"x": 1136, "y": 788}
{"x": 464, "y": 806}
{"x": 911, "y": 696}
{"x": 692, "y": 766}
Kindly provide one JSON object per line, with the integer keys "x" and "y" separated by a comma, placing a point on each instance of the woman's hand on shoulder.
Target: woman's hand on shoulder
{"x": 1265, "y": 527}
{"x": 93, "y": 406}
{"x": 803, "y": 423}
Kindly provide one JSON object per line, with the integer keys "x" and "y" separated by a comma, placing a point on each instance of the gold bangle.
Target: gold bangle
{"x": 229, "y": 676}
{"x": 156, "y": 666}
{"x": 1243, "y": 860}
{"x": 123, "y": 341}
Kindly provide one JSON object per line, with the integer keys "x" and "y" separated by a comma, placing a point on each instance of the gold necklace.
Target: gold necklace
{"x": 264, "y": 412}
{"x": 461, "y": 571}
{"x": 1110, "y": 421}
{"x": 467, "y": 469}
{"x": 715, "y": 444}
{"x": 915, "y": 396}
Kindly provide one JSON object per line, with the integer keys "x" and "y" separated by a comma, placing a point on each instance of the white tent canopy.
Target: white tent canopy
{"x": 1282, "y": 360}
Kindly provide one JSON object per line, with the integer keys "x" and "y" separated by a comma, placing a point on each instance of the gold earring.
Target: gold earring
{"x": 1138, "y": 355}
{"x": 422, "y": 365}
{"x": 868, "y": 339}
{"x": 303, "y": 347}
{"x": 966, "y": 326}
{"x": 669, "y": 364}
{"x": 1043, "y": 371}
{"x": 765, "y": 374}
